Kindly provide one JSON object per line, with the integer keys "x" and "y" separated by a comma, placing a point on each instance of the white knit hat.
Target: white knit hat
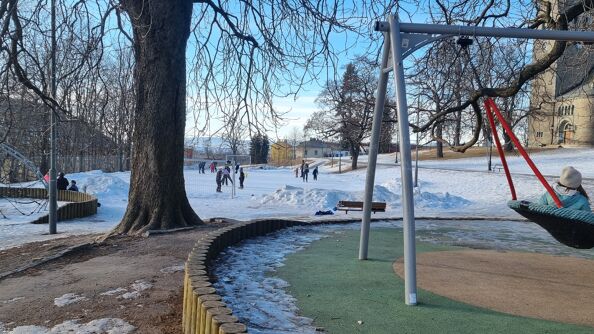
{"x": 570, "y": 177}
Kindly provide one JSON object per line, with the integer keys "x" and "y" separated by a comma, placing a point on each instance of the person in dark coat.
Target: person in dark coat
{"x": 315, "y": 173}
{"x": 241, "y": 178}
{"x": 227, "y": 176}
{"x": 62, "y": 182}
{"x": 73, "y": 186}
{"x": 219, "y": 179}
{"x": 305, "y": 172}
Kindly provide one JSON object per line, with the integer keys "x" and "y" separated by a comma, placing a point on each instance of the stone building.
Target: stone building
{"x": 562, "y": 98}
{"x": 315, "y": 148}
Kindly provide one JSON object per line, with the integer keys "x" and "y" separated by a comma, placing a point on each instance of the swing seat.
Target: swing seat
{"x": 573, "y": 228}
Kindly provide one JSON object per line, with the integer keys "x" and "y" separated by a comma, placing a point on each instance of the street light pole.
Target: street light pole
{"x": 53, "y": 201}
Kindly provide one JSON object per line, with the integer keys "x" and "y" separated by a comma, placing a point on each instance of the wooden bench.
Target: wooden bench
{"x": 358, "y": 206}
{"x": 497, "y": 167}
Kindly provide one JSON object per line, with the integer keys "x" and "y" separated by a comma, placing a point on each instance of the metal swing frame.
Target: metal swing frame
{"x": 401, "y": 40}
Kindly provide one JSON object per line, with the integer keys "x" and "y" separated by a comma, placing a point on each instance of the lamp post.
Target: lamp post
{"x": 53, "y": 201}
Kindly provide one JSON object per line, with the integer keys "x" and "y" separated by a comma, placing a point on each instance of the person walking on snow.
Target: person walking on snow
{"x": 227, "y": 175}
{"x": 569, "y": 190}
{"x": 315, "y": 173}
{"x": 305, "y": 172}
{"x": 219, "y": 179}
{"x": 62, "y": 182}
{"x": 241, "y": 177}
{"x": 296, "y": 172}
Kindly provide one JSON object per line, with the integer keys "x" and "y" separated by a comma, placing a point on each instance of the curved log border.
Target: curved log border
{"x": 81, "y": 204}
{"x": 203, "y": 311}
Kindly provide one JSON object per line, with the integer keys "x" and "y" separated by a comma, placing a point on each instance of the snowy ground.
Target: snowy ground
{"x": 455, "y": 188}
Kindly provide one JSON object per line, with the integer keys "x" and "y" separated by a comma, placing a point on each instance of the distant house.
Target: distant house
{"x": 190, "y": 152}
{"x": 281, "y": 152}
{"x": 315, "y": 148}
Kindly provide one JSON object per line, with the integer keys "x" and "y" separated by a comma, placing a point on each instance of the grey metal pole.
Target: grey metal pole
{"x": 53, "y": 200}
{"x": 373, "y": 148}
{"x": 439, "y": 29}
{"x": 417, "y": 151}
{"x": 408, "y": 214}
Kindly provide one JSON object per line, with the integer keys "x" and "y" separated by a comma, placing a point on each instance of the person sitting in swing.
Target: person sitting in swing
{"x": 569, "y": 190}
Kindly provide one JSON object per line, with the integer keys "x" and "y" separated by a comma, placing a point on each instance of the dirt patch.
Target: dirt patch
{"x": 28, "y": 254}
{"x": 525, "y": 284}
{"x": 136, "y": 279}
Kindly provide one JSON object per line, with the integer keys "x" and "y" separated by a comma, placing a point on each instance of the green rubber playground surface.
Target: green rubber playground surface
{"x": 337, "y": 290}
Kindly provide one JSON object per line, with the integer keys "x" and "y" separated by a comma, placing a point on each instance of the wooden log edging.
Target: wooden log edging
{"x": 81, "y": 204}
{"x": 201, "y": 315}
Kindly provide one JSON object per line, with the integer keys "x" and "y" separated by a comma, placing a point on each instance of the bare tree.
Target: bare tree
{"x": 347, "y": 107}
{"x": 499, "y": 14}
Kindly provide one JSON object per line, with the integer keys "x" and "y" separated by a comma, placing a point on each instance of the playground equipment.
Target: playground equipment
{"x": 15, "y": 171}
{"x": 401, "y": 40}
{"x": 11, "y": 151}
{"x": 570, "y": 227}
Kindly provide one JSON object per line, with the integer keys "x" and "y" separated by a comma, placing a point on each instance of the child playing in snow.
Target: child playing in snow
{"x": 241, "y": 177}
{"x": 219, "y": 179}
{"x": 569, "y": 190}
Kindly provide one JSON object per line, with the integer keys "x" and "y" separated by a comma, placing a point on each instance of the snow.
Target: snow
{"x": 113, "y": 292}
{"x": 242, "y": 273}
{"x": 105, "y": 325}
{"x": 133, "y": 292}
{"x": 12, "y": 300}
{"x": 67, "y": 299}
{"x": 447, "y": 188}
{"x": 173, "y": 269}
{"x": 136, "y": 288}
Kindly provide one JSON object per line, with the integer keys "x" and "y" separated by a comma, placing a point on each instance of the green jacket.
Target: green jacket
{"x": 576, "y": 201}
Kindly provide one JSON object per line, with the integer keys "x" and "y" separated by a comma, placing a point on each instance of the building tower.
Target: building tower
{"x": 562, "y": 97}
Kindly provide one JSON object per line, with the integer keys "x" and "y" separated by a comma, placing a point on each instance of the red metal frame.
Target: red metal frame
{"x": 491, "y": 108}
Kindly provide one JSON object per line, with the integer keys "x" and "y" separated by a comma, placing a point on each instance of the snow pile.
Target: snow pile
{"x": 68, "y": 299}
{"x": 439, "y": 200}
{"x": 101, "y": 184}
{"x": 384, "y": 194}
{"x": 309, "y": 198}
{"x": 105, "y": 325}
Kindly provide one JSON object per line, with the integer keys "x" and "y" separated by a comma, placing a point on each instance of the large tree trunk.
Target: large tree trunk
{"x": 439, "y": 134}
{"x": 157, "y": 198}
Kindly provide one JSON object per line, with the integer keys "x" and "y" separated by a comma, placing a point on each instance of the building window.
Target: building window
{"x": 572, "y": 109}
{"x": 539, "y": 134}
{"x": 316, "y": 153}
{"x": 305, "y": 152}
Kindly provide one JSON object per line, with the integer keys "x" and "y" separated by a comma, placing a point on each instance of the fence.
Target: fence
{"x": 106, "y": 163}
